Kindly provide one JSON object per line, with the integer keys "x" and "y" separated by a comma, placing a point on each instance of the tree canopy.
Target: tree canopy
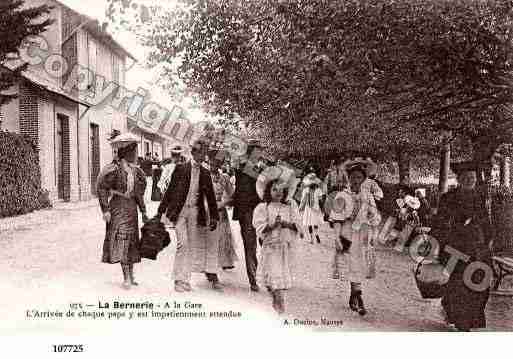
{"x": 377, "y": 76}
{"x": 16, "y": 24}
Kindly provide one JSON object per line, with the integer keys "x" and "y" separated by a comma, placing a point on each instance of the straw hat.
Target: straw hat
{"x": 177, "y": 150}
{"x": 285, "y": 176}
{"x": 124, "y": 140}
{"x": 367, "y": 165}
{"x": 342, "y": 206}
{"x": 254, "y": 142}
{"x": 311, "y": 179}
{"x": 372, "y": 167}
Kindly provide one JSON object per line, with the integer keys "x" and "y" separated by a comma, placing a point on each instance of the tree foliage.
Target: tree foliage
{"x": 16, "y": 24}
{"x": 377, "y": 76}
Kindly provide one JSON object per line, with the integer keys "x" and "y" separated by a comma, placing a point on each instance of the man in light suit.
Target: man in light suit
{"x": 184, "y": 207}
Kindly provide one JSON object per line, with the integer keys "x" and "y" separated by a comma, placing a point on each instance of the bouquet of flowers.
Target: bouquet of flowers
{"x": 404, "y": 222}
{"x": 408, "y": 207}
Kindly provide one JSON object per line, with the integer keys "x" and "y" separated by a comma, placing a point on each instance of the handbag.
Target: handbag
{"x": 431, "y": 279}
{"x": 154, "y": 238}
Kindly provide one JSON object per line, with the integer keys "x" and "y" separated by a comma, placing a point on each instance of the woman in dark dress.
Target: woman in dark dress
{"x": 120, "y": 189}
{"x": 463, "y": 224}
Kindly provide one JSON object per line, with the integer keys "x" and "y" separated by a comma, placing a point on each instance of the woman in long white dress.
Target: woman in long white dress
{"x": 223, "y": 190}
{"x": 310, "y": 206}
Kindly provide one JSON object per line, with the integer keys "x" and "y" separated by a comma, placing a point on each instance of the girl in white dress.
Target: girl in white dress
{"x": 311, "y": 207}
{"x": 276, "y": 221}
{"x": 357, "y": 227}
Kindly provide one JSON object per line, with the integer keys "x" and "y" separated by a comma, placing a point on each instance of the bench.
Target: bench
{"x": 503, "y": 267}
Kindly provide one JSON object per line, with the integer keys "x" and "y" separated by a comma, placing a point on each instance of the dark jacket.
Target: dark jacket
{"x": 156, "y": 194}
{"x": 462, "y": 223}
{"x": 146, "y": 166}
{"x": 455, "y": 208}
{"x": 245, "y": 197}
{"x": 176, "y": 194}
{"x": 424, "y": 212}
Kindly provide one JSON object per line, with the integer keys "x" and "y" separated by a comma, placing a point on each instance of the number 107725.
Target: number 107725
{"x": 68, "y": 348}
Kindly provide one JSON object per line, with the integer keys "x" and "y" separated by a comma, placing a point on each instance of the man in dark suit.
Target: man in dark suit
{"x": 184, "y": 207}
{"x": 147, "y": 167}
{"x": 245, "y": 199}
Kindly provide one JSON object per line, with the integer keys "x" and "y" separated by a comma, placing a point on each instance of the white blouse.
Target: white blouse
{"x": 266, "y": 213}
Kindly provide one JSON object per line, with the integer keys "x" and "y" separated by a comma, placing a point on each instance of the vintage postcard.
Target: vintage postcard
{"x": 229, "y": 169}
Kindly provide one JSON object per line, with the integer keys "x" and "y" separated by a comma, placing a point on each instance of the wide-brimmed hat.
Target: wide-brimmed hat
{"x": 311, "y": 179}
{"x": 412, "y": 202}
{"x": 364, "y": 164}
{"x": 342, "y": 206}
{"x": 176, "y": 150}
{"x": 284, "y": 175}
{"x": 421, "y": 191}
{"x": 254, "y": 142}
{"x": 372, "y": 167}
{"x": 124, "y": 140}
{"x": 466, "y": 166}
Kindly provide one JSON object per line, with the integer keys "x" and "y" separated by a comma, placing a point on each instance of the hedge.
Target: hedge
{"x": 20, "y": 178}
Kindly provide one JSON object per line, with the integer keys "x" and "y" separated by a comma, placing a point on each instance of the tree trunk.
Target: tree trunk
{"x": 445, "y": 161}
{"x": 505, "y": 171}
{"x": 403, "y": 162}
{"x": 483, "y": 152}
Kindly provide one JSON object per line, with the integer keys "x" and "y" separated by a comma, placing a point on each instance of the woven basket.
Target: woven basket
{"x": 430, "y": 279}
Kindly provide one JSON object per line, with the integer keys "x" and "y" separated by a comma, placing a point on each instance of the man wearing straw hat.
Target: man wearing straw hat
{"x": 184, "y": 207}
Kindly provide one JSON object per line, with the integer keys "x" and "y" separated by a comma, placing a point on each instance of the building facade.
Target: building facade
{"x": 72, "y": 135}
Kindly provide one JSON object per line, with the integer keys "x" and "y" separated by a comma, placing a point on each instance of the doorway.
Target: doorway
{"x": 95, "y": 156}
{"x": 62, "y": 160}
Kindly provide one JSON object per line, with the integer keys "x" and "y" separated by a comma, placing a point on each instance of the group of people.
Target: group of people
{"x": 195, "y": 197}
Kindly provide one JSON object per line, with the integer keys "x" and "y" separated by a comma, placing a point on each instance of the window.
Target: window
{"x": 93, "y": 55}
{"x": 70, "y": 53}
{"x": 115, "y": 68}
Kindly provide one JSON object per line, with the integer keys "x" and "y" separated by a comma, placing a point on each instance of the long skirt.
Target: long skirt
{"x": 156, "y": 195}
{"x": 227, "y": 254}
{"x": 277, "y": 259}
{"x": 355, "y": 258}
{"x": 121, "y": 244}
{"x": 312, "y": 217}
{"x": 464, "y": 306}
{"x": 276, "y": 265}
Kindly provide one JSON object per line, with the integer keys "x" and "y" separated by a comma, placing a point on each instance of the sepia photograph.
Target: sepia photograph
{"x": 221, "y": 173}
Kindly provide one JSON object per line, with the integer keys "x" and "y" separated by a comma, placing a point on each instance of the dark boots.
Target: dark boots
{"x": 356, "y": 300}
{"x": 278, "y": 301}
